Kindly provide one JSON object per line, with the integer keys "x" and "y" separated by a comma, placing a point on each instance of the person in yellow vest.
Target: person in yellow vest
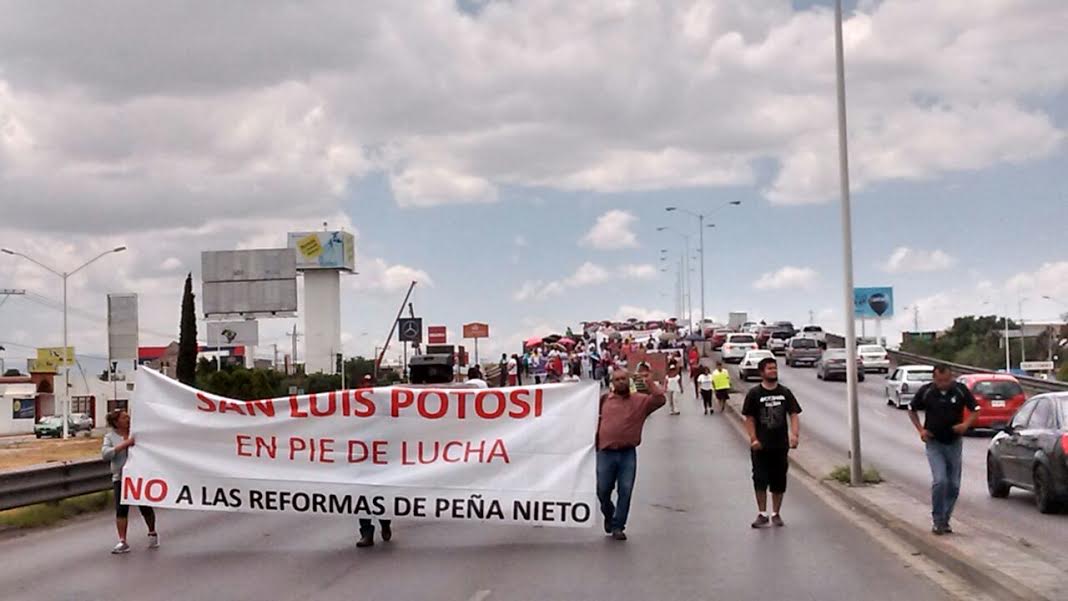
{"x": 721, "y": 383}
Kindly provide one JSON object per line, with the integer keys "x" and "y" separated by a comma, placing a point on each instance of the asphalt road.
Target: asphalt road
{"x": 689, "y": 529}
{"x": 889, "y": 443}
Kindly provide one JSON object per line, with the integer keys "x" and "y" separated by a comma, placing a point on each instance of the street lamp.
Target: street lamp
{"x": 856, "y": 477}
{"x": 684, "y": 268}
{"x": 64, "y": 276}
{"x": 701, "y": 232}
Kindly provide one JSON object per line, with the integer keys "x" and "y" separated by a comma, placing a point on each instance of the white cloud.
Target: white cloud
{"x": 612, "y": 231}
{"x": 640, "y": 313}
{"x": 644, "y": 271}
{"x": 520, "y": 241}
{"x": 786, "y": 278}
{"x": 587, "y": 274}
{"x": 913, "y": 260}
{"x": 376, "y": 275}
{"x": 429, "y": 187}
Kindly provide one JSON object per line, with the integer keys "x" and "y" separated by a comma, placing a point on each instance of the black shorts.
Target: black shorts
{"x": 723, "y": 394}
{"x": 706, "y": 396}
{"x": 769, "y": 469}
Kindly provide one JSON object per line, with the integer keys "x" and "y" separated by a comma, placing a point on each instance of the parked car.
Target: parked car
{"x": 832, "y": 364}
{"x": 1032, "y": 452}
{"x": 83, "y": 422}
{"x": 875, "y": 358}
{"x": 803, "y": 351}
{"x": 814, "y": 332}
{"x": 750, "y": 365}
{"x": 999, "y": 397}
{"x": 719, "y": 337}
{"x": 902, "y": 385}
{"x": 52, "y": 427}
{"x": 737, "y": 345}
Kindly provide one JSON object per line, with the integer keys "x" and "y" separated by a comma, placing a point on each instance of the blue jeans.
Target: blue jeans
{"x": 945, "y": 462}
{"x": 616, "y": 467}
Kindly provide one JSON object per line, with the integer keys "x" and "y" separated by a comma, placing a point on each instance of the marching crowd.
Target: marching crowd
{"x": 770, "y": 410}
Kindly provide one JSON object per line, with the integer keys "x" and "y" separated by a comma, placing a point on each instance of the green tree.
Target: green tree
{"x": 187, "y": 336}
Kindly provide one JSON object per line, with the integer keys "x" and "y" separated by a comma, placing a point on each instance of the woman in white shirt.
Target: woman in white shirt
{"x": 704, "y": 383}
{"x": 674, "y": 386}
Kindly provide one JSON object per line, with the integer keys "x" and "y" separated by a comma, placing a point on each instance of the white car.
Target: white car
{"x": 737, "y": 345}
{"x": 874, "y": 357}
{"x": 814, "y": 332}
{"x": 778, "y": 345}
{"x": 902, "y": 385}
{"x": 750, "y": 365}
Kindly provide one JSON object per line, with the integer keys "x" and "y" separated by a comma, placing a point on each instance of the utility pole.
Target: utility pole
{"x": 275, "y": 363}
{"x": 811, "y": 316}
{"x": 293, "y": 350}
{"x": 1023, "y": 337}
{"x": 856, "y": 476}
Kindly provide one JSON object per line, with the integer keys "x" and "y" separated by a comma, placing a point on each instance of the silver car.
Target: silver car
{"x": 902, "y": 385}
{"x": 832, "y": 364}
{"x": 875, "y": 358}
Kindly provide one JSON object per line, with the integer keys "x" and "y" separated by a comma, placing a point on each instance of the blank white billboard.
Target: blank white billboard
{"x": 122, "y": 327}
{"x": 260, "y": 282}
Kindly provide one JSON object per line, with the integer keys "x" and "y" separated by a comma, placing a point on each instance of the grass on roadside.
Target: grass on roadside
{"x": 35, "y": 452}
{"x": 46, "y": 514}
{"x": 841, "y": 474}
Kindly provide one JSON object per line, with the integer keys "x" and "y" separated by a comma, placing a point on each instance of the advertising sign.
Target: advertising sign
{"x": 410, "y": 329}
{"x": 50, "y": 359}
{"x": 476, "y": 330}
{"x": 233, "y": 333}
{"x": 436, "y": 335}
{"x": 324, "y": 250}
{"x": 23, "y": 409}
{"x": 873, "y": 302}
{"x": 518, "y": 456}
{"x": 122, "y": 327}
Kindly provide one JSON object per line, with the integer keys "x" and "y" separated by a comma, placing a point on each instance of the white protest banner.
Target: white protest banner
{"x": 508, "y": 455}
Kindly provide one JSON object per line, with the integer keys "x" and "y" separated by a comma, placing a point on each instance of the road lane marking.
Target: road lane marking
{"x": 481, "y": 595}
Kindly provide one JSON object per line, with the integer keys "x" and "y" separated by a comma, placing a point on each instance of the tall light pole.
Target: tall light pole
{"x": 856, "y": 476}
{"x": 685, "y": 271}
{"x": 701, "y": 234}
{"x": 1023, "y": 337}
{"x": 64, "y": 276}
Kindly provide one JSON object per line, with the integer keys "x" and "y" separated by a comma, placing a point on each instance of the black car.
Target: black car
{"x": 1032, "y": 452}
{"x": 785, "y": 327}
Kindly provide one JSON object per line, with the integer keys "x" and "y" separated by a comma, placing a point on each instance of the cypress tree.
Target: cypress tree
{"x": 187, "y": 337}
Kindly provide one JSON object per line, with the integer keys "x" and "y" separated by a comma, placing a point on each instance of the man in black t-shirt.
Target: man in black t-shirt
{"x": 943, "y": 402}
{"x": 768, "y": 408}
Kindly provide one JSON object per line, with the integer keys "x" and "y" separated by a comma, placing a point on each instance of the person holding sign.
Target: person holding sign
{"x": 114, "y": 450}
{"x": 619, "y": 432}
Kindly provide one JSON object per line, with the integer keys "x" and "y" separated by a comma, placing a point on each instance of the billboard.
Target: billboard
{"x": 323, "y": 250}
{"x": 50, "y": 359}
{"x": 436, "y": 335}
{"x": 874, "y": 302}
{"x": 24, "y": 408}
{"x": 260, "y": 282}
{"x": 233, "y": 333}
{"x": 122, "y": 326}
{"x": 476, "y": 330}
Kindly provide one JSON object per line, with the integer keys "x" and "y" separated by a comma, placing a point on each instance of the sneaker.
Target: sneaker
{"x": 938, "y": 530}
{"x": 947, "y": 529}
{"x": 608, "y": 525}
{"x": 760, "y": 522}
{"x": 618, "y": 534}
{"x": 387, "y": 532}
{"x": 777, "y": 521}
{"x": 153, "y": 540}
{"x": 120, "y": 548}
{"x": 365, "y": 541}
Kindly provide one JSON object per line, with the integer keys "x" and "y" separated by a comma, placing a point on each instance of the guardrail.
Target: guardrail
{"x": 41, "y": 484}
{"x": 1029, "y": 384}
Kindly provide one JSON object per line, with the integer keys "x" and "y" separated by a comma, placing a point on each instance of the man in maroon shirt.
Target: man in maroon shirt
{"x": 619, "y": 432}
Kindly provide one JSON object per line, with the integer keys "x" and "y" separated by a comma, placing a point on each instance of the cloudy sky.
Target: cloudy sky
{"x": 516, "y": 157}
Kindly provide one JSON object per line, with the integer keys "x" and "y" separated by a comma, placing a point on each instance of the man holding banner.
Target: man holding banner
{"x": 619, "y": 432}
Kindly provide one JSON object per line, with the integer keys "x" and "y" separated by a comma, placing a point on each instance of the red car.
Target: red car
{"x": 763, "y": 334}
{"x": 719, "y": 338}
{"x": 998, "y": 395}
